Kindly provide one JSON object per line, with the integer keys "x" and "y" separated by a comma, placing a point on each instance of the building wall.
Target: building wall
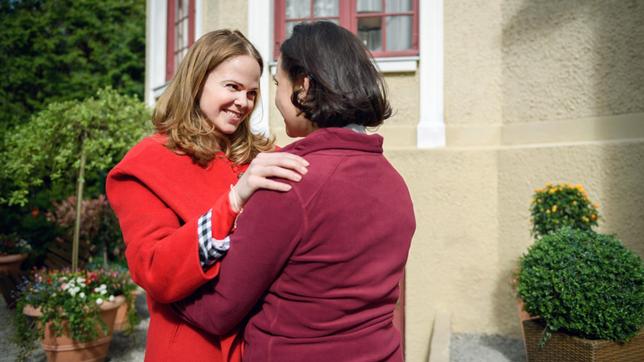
{"x": 534, "y": 92}
{"x": 220, "y": 14}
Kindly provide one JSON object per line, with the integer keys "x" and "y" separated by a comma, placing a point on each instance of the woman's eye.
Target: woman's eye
{"x": 252, "y": 94}
{"x": 231, "y": 86}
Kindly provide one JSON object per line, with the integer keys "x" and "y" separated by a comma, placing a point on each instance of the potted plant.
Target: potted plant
{"x": 581, "y": 294}
{"x": 69, "y": 147}
{"x": 74, "y": 314}
{"x": 557, "y": 206}
{"x": 126, "y": 317}
{"x": 13, "y": 251}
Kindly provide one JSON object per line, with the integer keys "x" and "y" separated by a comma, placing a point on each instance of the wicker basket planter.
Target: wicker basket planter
{"x": 562, "y": 347}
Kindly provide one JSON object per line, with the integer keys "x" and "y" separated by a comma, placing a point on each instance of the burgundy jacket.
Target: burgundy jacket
{"x": 316, "y": 269}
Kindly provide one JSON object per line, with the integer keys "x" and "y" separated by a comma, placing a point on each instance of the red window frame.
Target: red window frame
{"x": 348, "y": 18}
{"x": 171, "y": 34}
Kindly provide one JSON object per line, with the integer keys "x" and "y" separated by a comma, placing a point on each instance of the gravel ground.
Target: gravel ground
{"x": 463, "y": 347}
{"x": 485, "y": 348}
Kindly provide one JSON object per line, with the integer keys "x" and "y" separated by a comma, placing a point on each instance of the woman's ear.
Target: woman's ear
{"x": 302, "y": 86}
{"x": 305, "y": 86}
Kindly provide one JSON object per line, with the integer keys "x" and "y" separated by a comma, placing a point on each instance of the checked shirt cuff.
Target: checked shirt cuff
{"x": 210, "y": 249}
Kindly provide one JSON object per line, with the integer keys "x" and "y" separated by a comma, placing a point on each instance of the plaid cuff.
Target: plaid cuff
{"x": 210, "y": 249}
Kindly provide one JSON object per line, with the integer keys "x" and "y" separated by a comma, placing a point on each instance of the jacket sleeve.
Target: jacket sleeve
{"x": 267, "y": 233}
{"x": 162, "y": 254}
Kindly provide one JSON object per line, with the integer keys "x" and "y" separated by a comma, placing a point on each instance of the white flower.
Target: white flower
{"x": 64, "y": 286}
{"x": 111, "y": 298}
{"x": 82, "y": 295}
{"x": 80, "y": 280}
{"x": 103, "y": 292}
{"x": 99, "y": 301}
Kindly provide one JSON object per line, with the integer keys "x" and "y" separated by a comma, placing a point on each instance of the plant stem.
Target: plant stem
{"x": 79, "y": 205}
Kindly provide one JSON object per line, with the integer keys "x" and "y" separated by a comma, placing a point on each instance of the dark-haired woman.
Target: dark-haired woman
{"x": 316, "y": 270}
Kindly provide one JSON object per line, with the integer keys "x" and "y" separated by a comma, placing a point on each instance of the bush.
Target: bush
{"x": 557, "y": 206}
{"x": 585, "y": 284}
{"x": 45, "y": 151}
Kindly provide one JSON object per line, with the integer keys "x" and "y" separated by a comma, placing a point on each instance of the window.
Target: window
{"x": 387, "y": 27}
{"x": 181, "y": 33}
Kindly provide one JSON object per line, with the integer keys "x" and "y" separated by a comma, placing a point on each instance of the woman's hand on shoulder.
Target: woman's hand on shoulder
{"x": 265, "y": 166}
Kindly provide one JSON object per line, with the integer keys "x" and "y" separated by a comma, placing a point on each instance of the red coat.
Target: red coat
{"x": 158, "y": 196}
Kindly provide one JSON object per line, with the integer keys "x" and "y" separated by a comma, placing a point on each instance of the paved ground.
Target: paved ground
{"x": 463, "y": 347}
{"x": 482, "y": 348}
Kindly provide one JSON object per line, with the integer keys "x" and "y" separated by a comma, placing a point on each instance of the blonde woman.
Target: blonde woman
{"x": 178, "y": 192}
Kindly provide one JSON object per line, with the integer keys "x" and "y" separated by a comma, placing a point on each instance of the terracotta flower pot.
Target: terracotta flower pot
{"x": 121, "y": 323}
{"x": 65, "y": 349}
{"x": 563, "y": 347}
{"x": 10, "y": 264}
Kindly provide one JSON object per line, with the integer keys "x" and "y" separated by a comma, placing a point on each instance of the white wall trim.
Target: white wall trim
{"x": 156, "y": 39}
{"x": 397, "y": 64}
{"x": 431, "y": 126}
{"x": 260, "y": 25}
{"x": 198, "y": 19}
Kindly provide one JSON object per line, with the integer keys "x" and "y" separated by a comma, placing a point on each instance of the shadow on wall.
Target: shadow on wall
{"x": 565, "y": 60}
{"x": 619, "y": 87}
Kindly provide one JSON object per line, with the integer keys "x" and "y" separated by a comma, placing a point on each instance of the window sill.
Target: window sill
{"x": 385, "y": 65}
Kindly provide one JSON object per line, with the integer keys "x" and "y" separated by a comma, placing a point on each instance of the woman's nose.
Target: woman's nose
{"x": 242, "y": 100}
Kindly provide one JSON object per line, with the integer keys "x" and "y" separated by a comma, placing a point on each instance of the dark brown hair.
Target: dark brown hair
{"x": 344, "y": 85}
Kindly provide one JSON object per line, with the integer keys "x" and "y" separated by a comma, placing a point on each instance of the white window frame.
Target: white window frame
{"x": 155, "y": 60}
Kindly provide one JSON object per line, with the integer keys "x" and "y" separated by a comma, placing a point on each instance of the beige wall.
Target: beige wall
{"x": 535, "y": 92}
{"x": 231, "y": 14}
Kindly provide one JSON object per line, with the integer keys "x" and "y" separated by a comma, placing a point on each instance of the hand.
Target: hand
{"x": 266, "y": 165}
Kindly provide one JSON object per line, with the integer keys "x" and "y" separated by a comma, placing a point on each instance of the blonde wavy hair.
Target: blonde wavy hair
{"x": 177, "y": 113}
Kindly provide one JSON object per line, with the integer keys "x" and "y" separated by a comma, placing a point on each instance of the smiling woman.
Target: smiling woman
{"x": 230, "y": 92}
{"x": 177, "y": 193}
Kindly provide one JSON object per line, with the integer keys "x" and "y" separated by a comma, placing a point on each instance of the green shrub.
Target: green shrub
{"x": 557, "y": 206}
{"x": 71, "y": 145}
{"x": 585, "y": 284}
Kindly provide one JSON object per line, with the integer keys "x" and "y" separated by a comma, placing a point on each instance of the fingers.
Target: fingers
{"x": 281, "y": 165}
{"x": 281, "y": 159}
{"x": 273, "y": 185}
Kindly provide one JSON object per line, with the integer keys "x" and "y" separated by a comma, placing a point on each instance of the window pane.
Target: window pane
{"x": 398, "y": 32}
{"x": 298, "y": 9}
{"x": 395, "y": 6}
{"x": 326, "y": 7}
{"x": 370, "y": 32}
{"x": 365, "y": 6}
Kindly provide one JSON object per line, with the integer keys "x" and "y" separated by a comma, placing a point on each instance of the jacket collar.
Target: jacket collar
{"x": 335, "y": 138}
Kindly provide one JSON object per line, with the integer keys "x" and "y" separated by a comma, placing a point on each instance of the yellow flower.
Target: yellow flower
{"x": 554, "y": 208}
{"x": 585, "y": 219}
